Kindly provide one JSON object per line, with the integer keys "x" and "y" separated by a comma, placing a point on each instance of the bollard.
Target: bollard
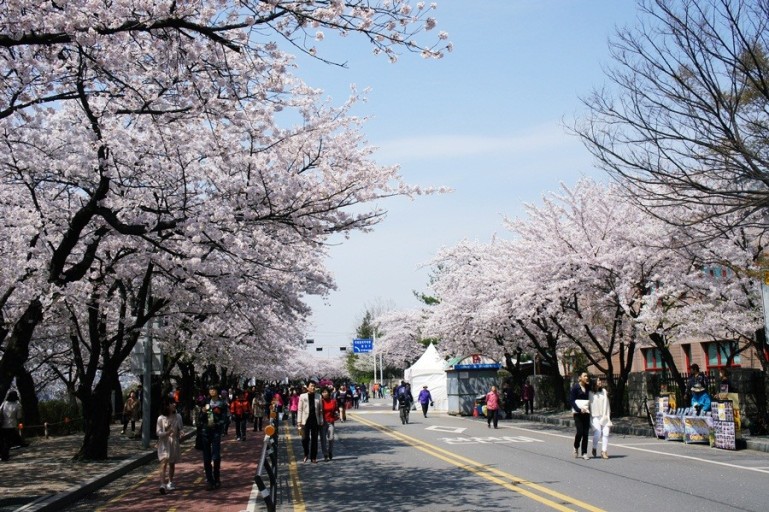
{"x": 45, "y": 429}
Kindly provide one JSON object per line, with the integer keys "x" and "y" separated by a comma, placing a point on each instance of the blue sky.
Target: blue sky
{"x": 487, "y": 121}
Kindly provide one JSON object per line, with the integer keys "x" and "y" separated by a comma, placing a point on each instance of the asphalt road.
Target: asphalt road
{"x": 451, "y": 463}
{"x": 444, "y": 463}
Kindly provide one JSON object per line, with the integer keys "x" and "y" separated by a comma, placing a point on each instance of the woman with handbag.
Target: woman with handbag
{"x": 130, "y": 412}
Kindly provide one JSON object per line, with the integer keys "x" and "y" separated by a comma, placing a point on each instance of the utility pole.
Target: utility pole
{"x": 147, "y": 380}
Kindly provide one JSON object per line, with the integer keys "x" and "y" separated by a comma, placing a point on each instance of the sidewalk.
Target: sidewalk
{"x": 43, "y": 476}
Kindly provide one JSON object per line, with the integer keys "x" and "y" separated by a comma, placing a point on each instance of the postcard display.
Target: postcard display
{"x": 681, "y": 425}
{"x": 697, "y": 429}
{"x": 724, "y": 425}
{"x": 661, "y": 405}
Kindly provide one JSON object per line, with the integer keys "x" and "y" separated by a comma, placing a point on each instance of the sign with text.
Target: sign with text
{"x": 362, "y": 345}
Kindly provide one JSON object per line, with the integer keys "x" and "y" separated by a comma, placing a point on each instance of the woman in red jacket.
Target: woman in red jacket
{"x": 330, "y": 414}
{"x": 240, "y": 408}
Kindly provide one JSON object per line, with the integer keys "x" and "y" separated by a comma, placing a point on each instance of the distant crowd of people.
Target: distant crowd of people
{"x": 313, "y": 408}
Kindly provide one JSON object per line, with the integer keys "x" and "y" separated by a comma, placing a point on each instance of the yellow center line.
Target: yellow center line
{"x": 293, "y": 470}
{"x": 502, "y": 478}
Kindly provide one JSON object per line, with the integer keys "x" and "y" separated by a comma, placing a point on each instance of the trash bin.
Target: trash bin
{"x": 480, "y": 401}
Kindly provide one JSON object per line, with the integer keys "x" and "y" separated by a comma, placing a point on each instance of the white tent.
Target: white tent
{"x": 430, "y": 371}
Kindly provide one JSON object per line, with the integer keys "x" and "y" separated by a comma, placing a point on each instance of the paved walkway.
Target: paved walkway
{"x": 43, "y": 476}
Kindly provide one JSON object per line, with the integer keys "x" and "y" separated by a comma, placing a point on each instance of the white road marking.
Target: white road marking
{"x": 450, "y": 430}
{"x": 634, "y": 446}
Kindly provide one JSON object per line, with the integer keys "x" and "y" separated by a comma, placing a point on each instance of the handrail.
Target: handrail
{"x": 268, "y": 462}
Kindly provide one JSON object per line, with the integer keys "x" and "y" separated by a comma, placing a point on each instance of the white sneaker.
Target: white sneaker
{"x": 170, "y": 486}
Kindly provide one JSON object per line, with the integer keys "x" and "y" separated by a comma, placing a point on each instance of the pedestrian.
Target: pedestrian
{"x": 211, "y": 423}
{"x": 579, "y": 398}
{"x": 355, "y": 396}
{"x": 169, "y": 432}
{"x": 293, "y": 405}
{"x": 277, "y": 405}
{"x": 330, "y": 414}
{"x": 425, "y": 399}
{"x": 309, "y": 421}
{"x": 396, "y": 391}
{"x": 341, "y": 401}
{"x": 492, "y": 407}
{"x": 527, "y": 395}
{"x": 600, "y": 417}
{"x": 239, "y": 409}
{"x": 258, "y": 408}
{"x": 508, "y": 399}
{"x": 130, "y": 412}
{"x": 697, "y": 387}
{"x": 11, "y": 414}
{"x": 725, "y": 384}
{"x": 225, "y": 396}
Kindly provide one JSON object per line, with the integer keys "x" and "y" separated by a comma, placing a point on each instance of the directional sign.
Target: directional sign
{"x": 362, "y": 345}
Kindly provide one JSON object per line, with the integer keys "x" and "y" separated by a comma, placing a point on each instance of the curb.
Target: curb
{"x": 748, "y": 443}
{"x": 77, "y": 492}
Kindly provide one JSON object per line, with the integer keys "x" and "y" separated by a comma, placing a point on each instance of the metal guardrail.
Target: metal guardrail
{"x": 268, "y": 463}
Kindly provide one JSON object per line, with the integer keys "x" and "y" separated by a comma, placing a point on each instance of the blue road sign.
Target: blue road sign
{"x": 362, "y": 345}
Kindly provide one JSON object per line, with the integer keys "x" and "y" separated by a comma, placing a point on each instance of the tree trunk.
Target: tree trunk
{"x": 97, "y": 415}
{"x": 617, "y": 397}
{"x": 117, "y": 389}
{"x": 29, "y": 402}
{"x": 558, "y": 383}
{"x": 16, "y": 350}
{"x": 187, "y": 388}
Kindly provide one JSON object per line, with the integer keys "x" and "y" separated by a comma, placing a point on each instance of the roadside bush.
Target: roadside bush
{"x": 62, "y": 416}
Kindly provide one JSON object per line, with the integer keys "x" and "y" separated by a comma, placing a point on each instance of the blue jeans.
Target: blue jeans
{"x": 327, "y": 438}
{"x": 212, "y": 452}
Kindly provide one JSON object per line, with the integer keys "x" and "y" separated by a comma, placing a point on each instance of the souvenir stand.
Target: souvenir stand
{"x": 720, "y": 427}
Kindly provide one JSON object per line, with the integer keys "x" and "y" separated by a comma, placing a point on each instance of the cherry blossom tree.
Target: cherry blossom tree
{"x": 489, "y": 303}
{"x": 607, "y": 279}
{"x": 707, "y": 292}
{"x": 400, "y": 341}
{"x": 146, "y": 140}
